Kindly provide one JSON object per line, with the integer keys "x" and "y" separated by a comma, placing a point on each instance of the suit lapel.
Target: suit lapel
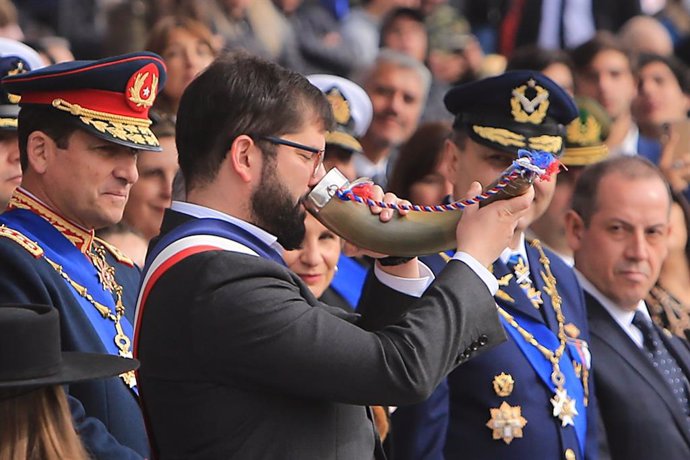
{"x": 604, "y": 327}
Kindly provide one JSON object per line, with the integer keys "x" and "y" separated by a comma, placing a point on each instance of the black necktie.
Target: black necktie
{"x": 663, "y": 361}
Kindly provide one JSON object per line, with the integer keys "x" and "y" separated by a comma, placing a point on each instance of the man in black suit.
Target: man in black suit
{"x": 618, "y": 227}
{"x": 239, "y": 360}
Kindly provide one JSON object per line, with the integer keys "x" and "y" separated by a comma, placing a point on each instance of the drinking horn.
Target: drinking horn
{"x": 344, "y": 209}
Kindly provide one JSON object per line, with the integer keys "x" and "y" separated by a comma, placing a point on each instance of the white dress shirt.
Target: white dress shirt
{"x": 623, "y": 317}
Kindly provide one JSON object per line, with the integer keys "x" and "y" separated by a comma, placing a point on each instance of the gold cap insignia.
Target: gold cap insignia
{"x": 503, "y": 384}
{"x": 584, "y": 130}
{"x": 506, "y": 422}
{"x": 340, "y": 106}
{"x": 18, "y": 69}
{"x": 526, "y": 110}
{"x": 142, "y": 88}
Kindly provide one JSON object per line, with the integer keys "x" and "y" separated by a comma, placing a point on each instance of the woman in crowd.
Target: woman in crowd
{"x": 187, "y": 46}
{"x": 669, "y": 299}
{"x": 419, "y": 172}
{"x": 663, "y": 95}
{"x": 151, "y": 195}
{"x": 316, "y": 262}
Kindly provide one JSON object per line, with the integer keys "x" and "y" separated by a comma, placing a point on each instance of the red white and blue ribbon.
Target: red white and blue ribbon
{"x": 536, "y": 163}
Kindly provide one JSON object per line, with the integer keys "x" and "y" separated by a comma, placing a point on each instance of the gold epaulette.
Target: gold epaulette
{"x": 119, "y": 255}
{"x": 31, "y": 246}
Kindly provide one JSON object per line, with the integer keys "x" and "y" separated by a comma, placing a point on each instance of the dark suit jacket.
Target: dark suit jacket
{"x": 452, "y": 423}
{"x": 239, "y": 360}
{"x": 106, "y": 412}
{"x": 641, "y": 416}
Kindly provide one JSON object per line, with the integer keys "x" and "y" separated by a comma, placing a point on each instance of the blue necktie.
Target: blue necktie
{"x": 663, "y": 361}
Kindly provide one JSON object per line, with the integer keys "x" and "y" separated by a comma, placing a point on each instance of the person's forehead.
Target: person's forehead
{"x": 658, "y": 69}
{"x": 618, "y": 192}
{"x": 610, "y": 59}
{"x": 389, "y": 73}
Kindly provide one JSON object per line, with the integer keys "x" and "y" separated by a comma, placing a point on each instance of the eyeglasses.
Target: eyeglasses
{"x": 316, "y": 154}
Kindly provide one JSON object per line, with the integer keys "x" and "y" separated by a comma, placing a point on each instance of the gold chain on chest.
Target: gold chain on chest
{"x": 106, "y": 274}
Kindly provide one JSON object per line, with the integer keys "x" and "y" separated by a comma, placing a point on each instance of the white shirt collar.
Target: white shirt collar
{"x": 629, "y": 144}
{"x": 507, "y": 252}
{"x": 202, "y": 212}
{"x": 623, "y": 317}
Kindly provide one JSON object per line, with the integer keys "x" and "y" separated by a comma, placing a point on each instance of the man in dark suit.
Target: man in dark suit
{"x": 510, "y": 402}
{"x": 618, "y": 227}
{"x": 81, "y": 125}
{"x": 239, "y": 360}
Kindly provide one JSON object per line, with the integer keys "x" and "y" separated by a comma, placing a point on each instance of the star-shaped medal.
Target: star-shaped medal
{"x": 564, "y": 407}
{"x": 506, "y": 422}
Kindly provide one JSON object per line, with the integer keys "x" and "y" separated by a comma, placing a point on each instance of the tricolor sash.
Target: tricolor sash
{"x": 194, "y": 237}
{"x": 544, "y": 368}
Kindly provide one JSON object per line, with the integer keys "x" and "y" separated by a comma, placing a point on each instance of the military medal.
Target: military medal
{"x": 564, "y": 407}
{"x": 503, "y": 384}
{"x": 523, "y": 280}
{"x": 506, "y": 422}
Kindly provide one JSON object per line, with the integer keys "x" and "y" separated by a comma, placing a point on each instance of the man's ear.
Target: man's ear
{"x": 39, "y": 150}
{"x": 574, "y": 229}
{"x": 245, "y": 158}
{"x": 449, "y": 160}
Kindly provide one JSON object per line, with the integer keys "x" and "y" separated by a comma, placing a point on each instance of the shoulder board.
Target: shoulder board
{"x": 119, "y": 255}
{"x": 31, "y": 246}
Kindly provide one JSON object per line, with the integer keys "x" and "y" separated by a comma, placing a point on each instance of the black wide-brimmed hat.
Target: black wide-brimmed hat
{"x": 30, "y": 353}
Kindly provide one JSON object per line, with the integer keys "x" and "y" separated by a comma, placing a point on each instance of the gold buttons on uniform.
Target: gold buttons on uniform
{"x": 569, "y": 454}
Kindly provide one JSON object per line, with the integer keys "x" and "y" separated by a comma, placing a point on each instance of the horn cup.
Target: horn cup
{"x": 415, "y": 234}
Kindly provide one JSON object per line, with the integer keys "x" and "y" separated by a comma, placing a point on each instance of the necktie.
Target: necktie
{"x": 663, "y": 361}
{"x": 517, "y": 265}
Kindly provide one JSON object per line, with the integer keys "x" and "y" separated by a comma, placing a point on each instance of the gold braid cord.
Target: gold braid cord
{"x": 107, "y": 277}
{"x": 563, "y": 406}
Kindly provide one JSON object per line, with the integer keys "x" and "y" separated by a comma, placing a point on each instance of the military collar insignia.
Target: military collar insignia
{"x": 506, "y": 422}
{"x": 76, "y": 234}
{"x": 142, "y": 88}
{"x": 529, "y": 103}
{"x": 340, "y": 106}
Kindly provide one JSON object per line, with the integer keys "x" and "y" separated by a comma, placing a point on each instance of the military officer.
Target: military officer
{"x": 81, "y": 125}
{"x": 15, "y": 58}
{"x": 529, "y": 398}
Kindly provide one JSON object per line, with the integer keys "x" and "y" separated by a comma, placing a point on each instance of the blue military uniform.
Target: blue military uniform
{"x": 47, "y": 259}
{"x": 498, "y": 405}
{"x": 531, "y": 397}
